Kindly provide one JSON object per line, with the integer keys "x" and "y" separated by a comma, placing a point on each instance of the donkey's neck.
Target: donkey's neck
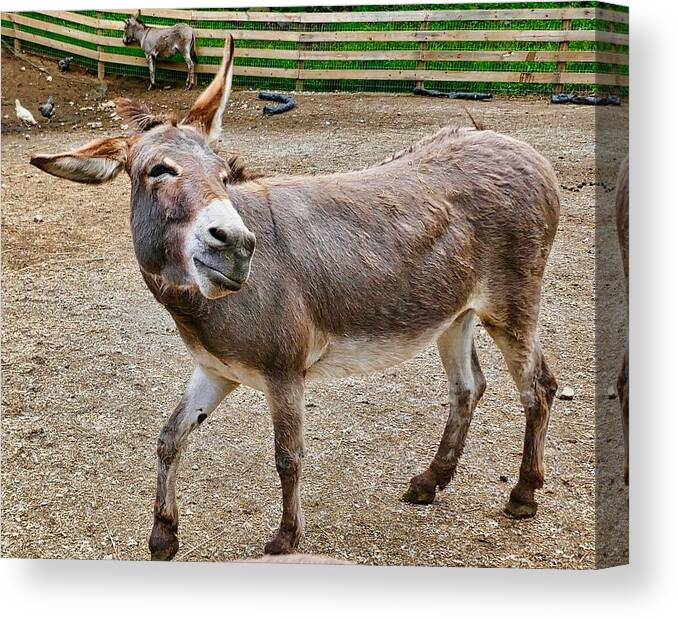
{"x": 140, "y": 33}
{"x": 185, "y": 305}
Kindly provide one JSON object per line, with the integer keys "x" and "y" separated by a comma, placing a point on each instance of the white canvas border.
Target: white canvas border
{"x": 74, "y": 589}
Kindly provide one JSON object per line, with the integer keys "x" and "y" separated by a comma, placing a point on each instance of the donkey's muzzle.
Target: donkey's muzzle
{"x": 222, "y": 250}
{"x": 227, "y": 237}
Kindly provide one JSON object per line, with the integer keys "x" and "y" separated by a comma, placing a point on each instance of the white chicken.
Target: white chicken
{"x": 24, "y": 115}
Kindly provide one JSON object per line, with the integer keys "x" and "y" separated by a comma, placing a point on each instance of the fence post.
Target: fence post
{"x": 101, "y": 69}
{"x": 299, "y": 83}
{"x": 17, "y": 42}
{"x": 423, "y": 46}
{"x": 563, "y": 47}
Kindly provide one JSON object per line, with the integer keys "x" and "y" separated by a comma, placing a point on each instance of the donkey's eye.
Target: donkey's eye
{"x": 161, "y": 169}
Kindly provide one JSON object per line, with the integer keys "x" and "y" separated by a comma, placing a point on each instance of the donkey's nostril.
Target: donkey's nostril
{"x": 224, "y": 237}
{"x": 219, "y": 234}
{"x": 249, "y": 241}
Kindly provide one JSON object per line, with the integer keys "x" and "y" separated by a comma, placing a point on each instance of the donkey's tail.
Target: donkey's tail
{"x": 194, "y": 54}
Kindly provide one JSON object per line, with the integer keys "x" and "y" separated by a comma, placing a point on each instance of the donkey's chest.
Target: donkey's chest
{"x": 230, "y": 370}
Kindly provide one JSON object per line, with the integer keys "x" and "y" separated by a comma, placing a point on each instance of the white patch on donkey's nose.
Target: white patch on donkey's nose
{"x": 218, "y": 222}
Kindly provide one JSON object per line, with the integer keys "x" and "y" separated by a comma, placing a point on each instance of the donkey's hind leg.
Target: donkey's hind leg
{"x": 190, "y": 78}
{"x": 466, "y": 385}
{"x": 537, "y": 387}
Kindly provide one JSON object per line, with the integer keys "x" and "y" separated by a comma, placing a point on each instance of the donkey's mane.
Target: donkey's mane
{"x": 141, "y": 115}
{"x": 239, "y": 173}
{"x": 426, "y": 143}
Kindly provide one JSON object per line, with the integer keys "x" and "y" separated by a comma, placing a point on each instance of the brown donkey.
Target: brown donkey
{"x": 353, "y": 273}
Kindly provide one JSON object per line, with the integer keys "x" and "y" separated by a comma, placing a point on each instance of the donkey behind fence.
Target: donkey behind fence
{"x": 162, "y": 43}
{"x": 353, "y": 272}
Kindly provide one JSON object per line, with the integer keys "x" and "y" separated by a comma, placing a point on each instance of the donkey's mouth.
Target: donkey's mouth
{"x": 216, "y": 276}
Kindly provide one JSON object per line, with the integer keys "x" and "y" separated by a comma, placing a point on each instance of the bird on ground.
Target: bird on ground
{"x": 48, "y": 109}
{"x": 64, "y": 63}
{"x": 24, "y": 115}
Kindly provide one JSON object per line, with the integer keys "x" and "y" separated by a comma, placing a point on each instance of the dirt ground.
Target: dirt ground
{"x": 92, "y": 366}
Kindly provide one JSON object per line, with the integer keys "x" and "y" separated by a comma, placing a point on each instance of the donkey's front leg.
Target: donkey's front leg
{"x": 286, "y": 401}
{"x": 203, "y": 394}
{"x": 151, "y": 70}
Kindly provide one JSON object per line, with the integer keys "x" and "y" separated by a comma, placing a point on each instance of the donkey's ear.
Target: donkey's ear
{"x": 207, "y": 112}
{"x": 96, "y": 162}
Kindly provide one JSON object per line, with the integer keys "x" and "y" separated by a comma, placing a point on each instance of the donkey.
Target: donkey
{"x": 162, "y": 43}
{"x": 622, "y": 215}
{"x": 353, "y": 272}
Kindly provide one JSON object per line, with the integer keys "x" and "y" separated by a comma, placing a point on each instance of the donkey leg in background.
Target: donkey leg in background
{"x": 203, "y": 395}
{"x": 151, "y": 70}
{"x": 190, "y": 78}
{"x": 466, "y": 385}
{"x": 537, "y": 387}
{"x": 286, "y": 401}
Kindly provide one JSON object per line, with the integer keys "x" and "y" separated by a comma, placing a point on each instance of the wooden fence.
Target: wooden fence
{"x": 582, "y": 47}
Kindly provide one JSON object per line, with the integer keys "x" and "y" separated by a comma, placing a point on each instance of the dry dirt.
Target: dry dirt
{"x": 92, "y": 366}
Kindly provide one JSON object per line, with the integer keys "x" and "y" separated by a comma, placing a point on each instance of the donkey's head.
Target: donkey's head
{"x": 185, "y": 230}
{"x": 133, "y": 28}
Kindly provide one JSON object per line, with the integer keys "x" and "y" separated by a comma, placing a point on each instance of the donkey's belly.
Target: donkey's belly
{"x": 341, "y": 357}
{"x": 331, "y": 357}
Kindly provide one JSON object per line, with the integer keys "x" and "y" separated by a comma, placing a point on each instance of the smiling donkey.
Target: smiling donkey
{"x": 353, "y": 272}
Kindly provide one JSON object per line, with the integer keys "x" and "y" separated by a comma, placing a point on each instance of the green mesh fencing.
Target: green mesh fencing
{"x": 47, "y": 26}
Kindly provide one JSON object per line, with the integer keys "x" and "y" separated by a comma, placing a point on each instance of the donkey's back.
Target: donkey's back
{"x": 165, "y": 42}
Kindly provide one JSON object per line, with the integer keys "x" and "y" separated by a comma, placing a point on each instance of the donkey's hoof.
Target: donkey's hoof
{"x": 163, "y": 543}
{"x": 281, "y": 544}
{"x": 519, "y": 510}
{"x": 418, "y": 493}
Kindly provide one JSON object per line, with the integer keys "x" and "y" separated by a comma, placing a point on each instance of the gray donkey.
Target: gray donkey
{"x": 353, "y": 272}
{"x": 162, "y": 43}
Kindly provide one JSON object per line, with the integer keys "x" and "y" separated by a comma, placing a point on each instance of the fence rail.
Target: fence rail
{"x": 546, "y": 47}
{"x": 358, "y": 16}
